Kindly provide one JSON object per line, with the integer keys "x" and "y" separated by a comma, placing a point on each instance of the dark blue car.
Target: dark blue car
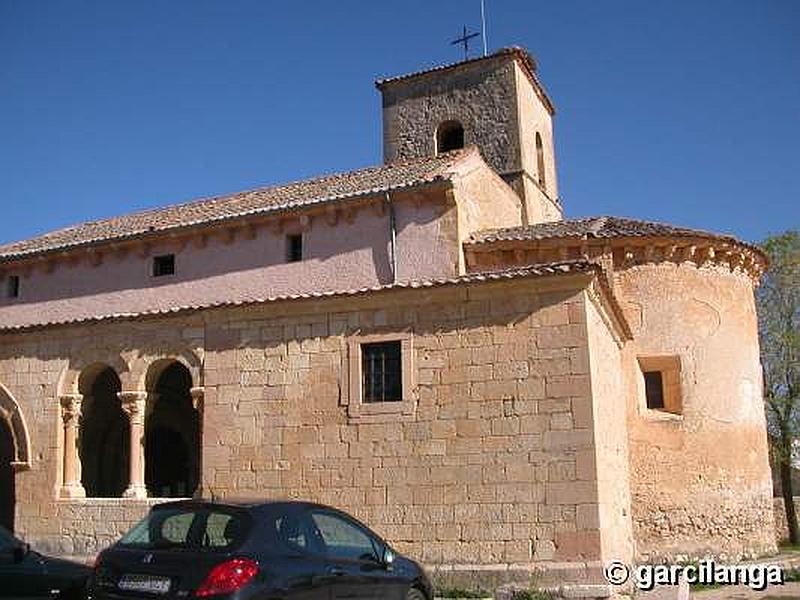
{"x": 265, "y": 551}
{"x": 26, "y": 574}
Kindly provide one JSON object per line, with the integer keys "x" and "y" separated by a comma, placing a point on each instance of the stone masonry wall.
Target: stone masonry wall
{"x": 491, "y": 467}
{"x": 481, "y": 96}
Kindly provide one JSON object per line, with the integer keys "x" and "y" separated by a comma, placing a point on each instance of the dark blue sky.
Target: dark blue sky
{"x": 686, "y": 111}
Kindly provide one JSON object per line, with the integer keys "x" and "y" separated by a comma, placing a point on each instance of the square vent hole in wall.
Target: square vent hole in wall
{"x": 294, "y": 247}
{"x": 12, "y": 286}
{"x": 661, "y": 383}
{"x": 164, "y": 265}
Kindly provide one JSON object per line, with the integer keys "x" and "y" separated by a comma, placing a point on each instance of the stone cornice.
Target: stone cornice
{"x": 622, "y": 253}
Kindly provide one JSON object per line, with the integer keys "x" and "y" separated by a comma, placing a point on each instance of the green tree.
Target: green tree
{"x": 779, "y": 331}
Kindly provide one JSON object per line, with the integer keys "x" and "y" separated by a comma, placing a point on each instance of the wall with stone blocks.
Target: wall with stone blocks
{"x": 492, "y": 467}
{"x": 479, "y": 474}
{"x": 481, "y": 96}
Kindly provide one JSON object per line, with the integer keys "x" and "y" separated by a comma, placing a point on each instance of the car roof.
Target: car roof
{"x": 245, "y": 503}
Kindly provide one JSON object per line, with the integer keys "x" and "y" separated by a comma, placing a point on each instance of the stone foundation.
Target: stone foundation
{"x": 80, "y": 528}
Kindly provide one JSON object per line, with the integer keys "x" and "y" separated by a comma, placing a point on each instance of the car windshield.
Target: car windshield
{"x": 196, "y": 528}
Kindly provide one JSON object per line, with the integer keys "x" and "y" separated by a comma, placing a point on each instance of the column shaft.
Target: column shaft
{"x": 70, "y": 415}
{"x": 134, "y": 404}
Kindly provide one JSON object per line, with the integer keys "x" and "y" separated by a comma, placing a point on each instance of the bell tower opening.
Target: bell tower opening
{"x": 540, "y": 168}
{"x": 449, "y": 136}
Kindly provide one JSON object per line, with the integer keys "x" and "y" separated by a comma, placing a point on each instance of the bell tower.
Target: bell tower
{"x": 495, "y": 102}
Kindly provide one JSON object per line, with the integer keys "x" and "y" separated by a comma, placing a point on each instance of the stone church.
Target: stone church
{"x": 428, "y": 344}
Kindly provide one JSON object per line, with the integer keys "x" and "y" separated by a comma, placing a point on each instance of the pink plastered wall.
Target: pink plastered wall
{"x": 347, "y": 255}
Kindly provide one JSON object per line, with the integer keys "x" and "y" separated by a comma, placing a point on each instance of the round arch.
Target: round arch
{"x": 11, "y": 413}
{"x": 15, "y": 454}
{"x": 78, "y": 368}
{"x": 104, "y": 433}
{"x": 172, "y": 429}
{"x": 145, "y": 372}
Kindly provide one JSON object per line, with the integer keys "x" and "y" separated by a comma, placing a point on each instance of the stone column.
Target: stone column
{"x": 134, "y": 405}
{"x": 71, "y": 415}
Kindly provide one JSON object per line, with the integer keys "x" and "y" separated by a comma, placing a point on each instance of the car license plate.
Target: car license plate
{"x": 144, "y": 583}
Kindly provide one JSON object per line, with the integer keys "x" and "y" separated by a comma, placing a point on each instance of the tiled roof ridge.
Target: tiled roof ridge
{"x": 604, "y": 226}
{"x": 434, "y": 168}
{"x": 452, "y": 154}
{"x": 525, "y": 58}
{"x": 538, "y": 270}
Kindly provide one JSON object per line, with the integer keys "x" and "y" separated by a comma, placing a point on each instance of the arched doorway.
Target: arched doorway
{"x": 104, "y": 434}
{"x": 15, "y": 454}
{"x": 172, "y": 434}
{"x": 7, "y": 482}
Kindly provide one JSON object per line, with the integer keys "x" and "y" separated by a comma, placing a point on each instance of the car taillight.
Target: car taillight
{"x": 228, "y": 577}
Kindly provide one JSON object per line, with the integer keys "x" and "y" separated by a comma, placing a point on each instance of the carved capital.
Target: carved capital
{"x": 134, "y": 404}
{"x": 71, "y": 408}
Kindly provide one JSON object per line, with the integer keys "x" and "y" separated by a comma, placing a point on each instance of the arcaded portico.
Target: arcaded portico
{"x": 108, "y": 432}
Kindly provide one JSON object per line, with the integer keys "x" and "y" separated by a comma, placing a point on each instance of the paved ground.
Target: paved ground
{"x": 789, "y": 590}
{"x": 789, "y": 560}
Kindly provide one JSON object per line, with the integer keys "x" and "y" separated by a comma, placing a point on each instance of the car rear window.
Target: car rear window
{"x": 196, "y": 528}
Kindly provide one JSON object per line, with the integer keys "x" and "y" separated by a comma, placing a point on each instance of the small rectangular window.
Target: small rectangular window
{"x": 381, "y": 368}
{"x": 661, "y": 376}
{"x": 164, "y": 265}
{"x": 654, "y": 389}
{"x": 12, "y": 286}
{"x": 294, "y": 248}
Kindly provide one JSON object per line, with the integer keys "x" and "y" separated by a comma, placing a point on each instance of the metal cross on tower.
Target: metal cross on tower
{"x": 464, "y": 39}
